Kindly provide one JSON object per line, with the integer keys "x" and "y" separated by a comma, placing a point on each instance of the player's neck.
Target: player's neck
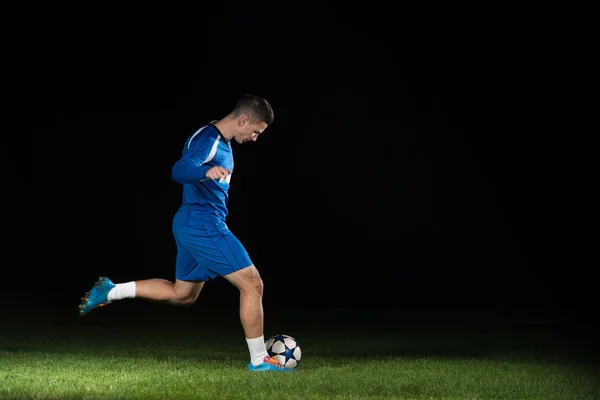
{"x": 226, "y": 126}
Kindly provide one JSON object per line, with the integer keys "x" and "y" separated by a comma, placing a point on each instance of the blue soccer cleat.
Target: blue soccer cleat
{"x": 269, "y": 364}
{"x": 97, "y": 296}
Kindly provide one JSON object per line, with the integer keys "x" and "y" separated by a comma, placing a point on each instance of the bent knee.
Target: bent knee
{"x": 183, "y": 301}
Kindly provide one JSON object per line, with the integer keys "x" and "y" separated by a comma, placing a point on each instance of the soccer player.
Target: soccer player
{"x": 205, "y": 246}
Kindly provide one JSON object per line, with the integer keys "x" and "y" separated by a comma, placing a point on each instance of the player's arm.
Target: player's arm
{"x": 189, "y": 169}
{"x": 192, "y": 166}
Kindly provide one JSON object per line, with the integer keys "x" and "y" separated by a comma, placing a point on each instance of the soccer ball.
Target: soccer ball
{"x": 285, "y": 349}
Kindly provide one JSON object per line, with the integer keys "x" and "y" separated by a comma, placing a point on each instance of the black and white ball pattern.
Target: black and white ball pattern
{"x": 285, "y": 349}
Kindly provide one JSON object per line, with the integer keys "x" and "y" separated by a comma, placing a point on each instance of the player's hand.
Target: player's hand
{"x": 217, "y": 173}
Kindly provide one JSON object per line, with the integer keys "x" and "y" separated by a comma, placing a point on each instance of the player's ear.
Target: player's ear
{"x": 243, "y": 120}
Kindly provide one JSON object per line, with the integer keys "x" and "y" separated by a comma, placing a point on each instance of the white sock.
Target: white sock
{"x": 122, "y": 291}
{"x": 257, "y": 348}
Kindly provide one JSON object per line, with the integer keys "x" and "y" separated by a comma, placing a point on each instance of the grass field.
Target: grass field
{"x": 155, "y": 352}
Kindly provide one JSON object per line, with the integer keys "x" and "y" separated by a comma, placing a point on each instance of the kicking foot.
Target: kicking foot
{"x": 97, "y": 296}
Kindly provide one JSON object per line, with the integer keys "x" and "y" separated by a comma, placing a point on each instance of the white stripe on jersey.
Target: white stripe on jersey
{"x": 194, "y": 135}
{"x": 213, "y": 150}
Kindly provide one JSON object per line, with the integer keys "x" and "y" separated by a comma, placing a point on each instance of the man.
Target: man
{"x": 205, "y": 246}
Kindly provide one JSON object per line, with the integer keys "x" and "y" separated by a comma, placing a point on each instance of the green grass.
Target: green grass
{"x": 171, "y": 357}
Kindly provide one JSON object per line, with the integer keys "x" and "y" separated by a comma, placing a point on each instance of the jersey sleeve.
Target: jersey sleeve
{"x": 192, "y": 166}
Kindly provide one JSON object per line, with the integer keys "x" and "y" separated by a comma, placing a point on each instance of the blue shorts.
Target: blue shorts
{"x": 205, "y": 247}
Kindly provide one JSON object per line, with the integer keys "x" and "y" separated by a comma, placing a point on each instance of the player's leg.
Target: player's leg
{"x": 250, "y": 285}
{"x": 183, "y": 292}
{"x": 180, "y": 293}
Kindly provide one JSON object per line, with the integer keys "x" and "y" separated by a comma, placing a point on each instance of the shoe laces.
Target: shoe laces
{"x": 273, "y": 361}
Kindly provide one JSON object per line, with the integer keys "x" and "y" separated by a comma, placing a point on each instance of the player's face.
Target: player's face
{"x": 247, "y": 131}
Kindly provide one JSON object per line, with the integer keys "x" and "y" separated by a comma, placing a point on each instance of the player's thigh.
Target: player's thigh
{"x": 246, "y": 278}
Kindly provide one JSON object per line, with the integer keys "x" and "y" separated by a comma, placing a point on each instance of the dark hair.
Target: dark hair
{"x": 257, "y": 108}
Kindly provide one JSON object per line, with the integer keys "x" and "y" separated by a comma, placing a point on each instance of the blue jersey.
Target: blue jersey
{"x": 204, "y": 149}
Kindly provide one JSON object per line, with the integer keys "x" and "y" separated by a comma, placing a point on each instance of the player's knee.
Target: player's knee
{"x": 247, "y": 280}
{"x": 259, "y": 286}
{"x": 183, "y": 301}
{"x": 253, "y": 284}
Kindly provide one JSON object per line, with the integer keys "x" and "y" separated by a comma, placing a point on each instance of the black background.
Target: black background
{"x": 418, "y": 159}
